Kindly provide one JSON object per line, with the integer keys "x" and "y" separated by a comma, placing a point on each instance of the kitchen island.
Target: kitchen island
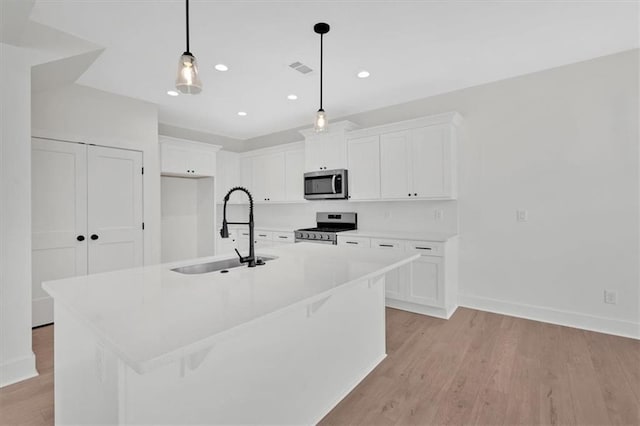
{"x": 276, "y": 344}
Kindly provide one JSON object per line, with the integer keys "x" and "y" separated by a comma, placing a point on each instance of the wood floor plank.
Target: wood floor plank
{"x": 475, "y": 368}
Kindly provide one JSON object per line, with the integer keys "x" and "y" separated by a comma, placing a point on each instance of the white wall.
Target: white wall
{"x": 79, "y": 113}
{"x": 562, "y": 144}
{"x": 16, "y": 358}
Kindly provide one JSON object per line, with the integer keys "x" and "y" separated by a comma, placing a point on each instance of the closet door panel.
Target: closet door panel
{"x": 114, "y": 209}
{"x": 59, "y": 218}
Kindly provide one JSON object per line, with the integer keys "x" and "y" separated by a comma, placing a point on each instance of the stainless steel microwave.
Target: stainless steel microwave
{"x": 326, "y": 185}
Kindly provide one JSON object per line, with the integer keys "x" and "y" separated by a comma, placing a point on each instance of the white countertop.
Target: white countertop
{"x": 423, "y": 236}
{"x": 151, "y": 315}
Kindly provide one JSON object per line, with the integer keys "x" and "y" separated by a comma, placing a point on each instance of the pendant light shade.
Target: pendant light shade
{"x": 187, "y": 80}
{"x": 321, "y": 123}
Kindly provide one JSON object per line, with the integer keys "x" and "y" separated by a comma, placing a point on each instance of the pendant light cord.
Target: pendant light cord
{"x": 321, "y": 59}
{"x": 187, "y": 9}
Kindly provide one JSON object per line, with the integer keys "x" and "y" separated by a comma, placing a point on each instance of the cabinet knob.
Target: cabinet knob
{"x": 409, "y": 195}
{"x": 94, "y": 237}
{"x": 80, "y": 238}
{"x": 415, "y": 194}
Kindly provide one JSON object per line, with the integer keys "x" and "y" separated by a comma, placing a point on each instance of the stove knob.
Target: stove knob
{"x": 312, "y": 236}
{"x": 303, "y": 235}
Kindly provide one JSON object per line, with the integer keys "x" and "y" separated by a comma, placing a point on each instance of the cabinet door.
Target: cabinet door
{"x": 426, "y": 282}
{"x": 174, "y": 159}
{"x": 364, "y": 168}
{"x": 202, "y": 162}
{"x": 59, "y": 218}
{"x": 394, "y": 281}
{"x": 246, "y": 176}
{"x": 394, "y": 165}
{"x": 275, "y": 177}
{"x": 294, "y": 179}
{"x": 114, "y": 209}
{"x": 428, "y": 146}
{"x": 326, "y": 152}
{"x": 228, "y": 176}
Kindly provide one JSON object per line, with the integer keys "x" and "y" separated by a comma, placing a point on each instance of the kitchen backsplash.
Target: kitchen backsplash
{"x": 388, "y": 216}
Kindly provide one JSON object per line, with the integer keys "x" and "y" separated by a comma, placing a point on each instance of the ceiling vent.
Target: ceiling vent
{"x": 300, "y": 67}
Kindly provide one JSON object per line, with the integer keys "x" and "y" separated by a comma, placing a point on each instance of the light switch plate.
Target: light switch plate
{"x": 610, "y": 297}
{"x": 438, "y": 214}
{"x": 522, "y": 215}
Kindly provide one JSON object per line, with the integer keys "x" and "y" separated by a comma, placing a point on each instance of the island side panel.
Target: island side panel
{"x": 291, "y": 368}
{"x": 86, "y": 376}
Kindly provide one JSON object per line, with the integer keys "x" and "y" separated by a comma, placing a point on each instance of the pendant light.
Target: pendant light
{"x": 188, "y": 81}
{"x": 321, "y": 124}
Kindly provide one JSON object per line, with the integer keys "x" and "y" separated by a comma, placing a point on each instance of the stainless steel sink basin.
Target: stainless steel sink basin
{"x": 218, "y": 265}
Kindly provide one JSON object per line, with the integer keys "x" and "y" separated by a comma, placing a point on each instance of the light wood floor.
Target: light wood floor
{"x": 476, "y": 368}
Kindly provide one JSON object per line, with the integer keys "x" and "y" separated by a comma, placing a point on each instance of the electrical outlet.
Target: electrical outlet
{"x": 610, "y": 297}
{"x": 438, "y": 214}
{"x": 387, "y": 215}
{"x": 522, "y": 215}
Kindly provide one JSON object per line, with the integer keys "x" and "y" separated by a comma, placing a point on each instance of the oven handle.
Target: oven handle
{"x": 333, "y": 183}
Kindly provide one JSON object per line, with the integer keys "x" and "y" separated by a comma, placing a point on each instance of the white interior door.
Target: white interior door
{"x": 114, "y": 209}
{"x": 59, "y": 218}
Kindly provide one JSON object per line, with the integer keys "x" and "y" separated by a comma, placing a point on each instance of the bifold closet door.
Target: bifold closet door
{"x": 115, "y": 237}
{"x": 59, "y": 218}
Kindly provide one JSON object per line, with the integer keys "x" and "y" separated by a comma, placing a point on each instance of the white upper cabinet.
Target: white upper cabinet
{"x": 364, "y": 168}
{"x": 294, "y": 175}
{"x": 327, "y": 151}
{"x": 186, "y": 158}
{"x": 268, "y": 177}
{"x": 272, "y": 175}
{"x": 419, "y": 160}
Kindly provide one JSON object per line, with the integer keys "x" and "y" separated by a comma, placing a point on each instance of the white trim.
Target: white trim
{"x": 17, "y": 370}
{"x": 335, "y": 127}
{"x": 177, "y": 141}
{"x": 552, "y": 316}
{"x": 452, "y": 118}
{"x": 293, "y": 146}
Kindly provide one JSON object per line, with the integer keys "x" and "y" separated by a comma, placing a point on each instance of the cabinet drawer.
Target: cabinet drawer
{"x": 263, "y": 235}
{"x": 386, "y": 243}
{"x": 428, "y": 248}
{"x": 283, "y": 237}
{"x": 354, "y": 241}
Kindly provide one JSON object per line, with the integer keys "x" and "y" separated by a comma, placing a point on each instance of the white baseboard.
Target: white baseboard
{"x": 553, "y": 316}
{"x": 18, "y": 370}
{"x": 421, "y": 309}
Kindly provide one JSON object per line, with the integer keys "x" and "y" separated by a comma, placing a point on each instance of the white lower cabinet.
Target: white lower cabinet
{"x": 426, "y": 286}
{"x": 263, "y": 239}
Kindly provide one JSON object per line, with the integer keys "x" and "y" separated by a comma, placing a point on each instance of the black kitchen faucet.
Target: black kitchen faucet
{"x": 224, "y": 232}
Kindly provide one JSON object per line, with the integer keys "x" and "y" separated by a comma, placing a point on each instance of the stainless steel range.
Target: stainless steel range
{"x": 328, "y": 225}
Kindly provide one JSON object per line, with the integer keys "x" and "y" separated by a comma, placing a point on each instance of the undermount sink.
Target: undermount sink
{"x": 218, "y": 265}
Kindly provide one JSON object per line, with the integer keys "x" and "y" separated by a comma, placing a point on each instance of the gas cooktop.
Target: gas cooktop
{"x": 328, "y": 225}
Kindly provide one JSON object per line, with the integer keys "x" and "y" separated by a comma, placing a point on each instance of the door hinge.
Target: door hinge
{"x": 143, "y": 226}
{"x": 143, "y": 170}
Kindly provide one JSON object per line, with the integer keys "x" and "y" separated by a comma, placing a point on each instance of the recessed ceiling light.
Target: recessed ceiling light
{"x": 242, "y": 113}
{"x": 363, "y": 74}
{"x": 172, "y": 93}
{"x": 221, "y": 67}
{"x": 292, "y": 97}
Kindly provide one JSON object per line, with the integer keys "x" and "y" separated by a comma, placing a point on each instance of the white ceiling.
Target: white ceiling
{"x": 413, "y": 49}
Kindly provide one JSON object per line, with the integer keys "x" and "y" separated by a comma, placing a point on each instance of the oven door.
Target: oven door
{"x": 328, "y": 184}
